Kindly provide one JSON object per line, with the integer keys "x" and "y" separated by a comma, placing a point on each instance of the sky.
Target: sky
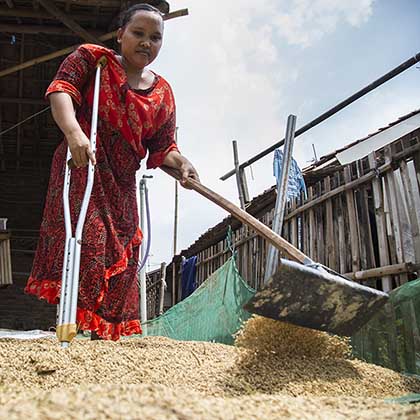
{"x": 239, "y": 68}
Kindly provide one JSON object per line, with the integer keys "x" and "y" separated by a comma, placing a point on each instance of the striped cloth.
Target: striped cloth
{"x": 296, "y": 182}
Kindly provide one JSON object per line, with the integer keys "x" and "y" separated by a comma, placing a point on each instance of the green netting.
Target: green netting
{"x": 391, "y": 338}
{"x": 212, "y": 313}
{"x": 406, "y": 399}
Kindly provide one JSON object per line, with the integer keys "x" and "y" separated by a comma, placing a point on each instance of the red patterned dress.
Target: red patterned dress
{"x": 131, "y": 123}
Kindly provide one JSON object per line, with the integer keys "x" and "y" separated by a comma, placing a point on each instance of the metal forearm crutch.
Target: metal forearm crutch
{"x": 66, "y": 323}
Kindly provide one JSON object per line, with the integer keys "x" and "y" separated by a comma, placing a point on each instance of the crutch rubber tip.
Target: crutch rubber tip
{"x": 66, "y": 332}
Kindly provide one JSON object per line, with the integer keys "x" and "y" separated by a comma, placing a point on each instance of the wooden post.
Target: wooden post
{"x": 19, "y": 93}
{"x": 162, "y": 287}
{"x": 416, "y": 161}
{"x": 282, "y": 188}
{"x": 238, "y": 175}
{"x": 341, "y": 235}
{"x": 330, "y": 243}
{"x": 370, "y": 253}
{"x": 312, "y": 227}
{"x": 244, "y": 185}
{"x": 173, "y": 283}
{"x": 411, "y": 206}
{"x": 351, "y": 209}
{"x": 393, "y": 209}
{"x": 3, "y": 157}
{"x": 5, "y": 260}
{"x": 294, "y": 240}
{"x": 378, "y": 200}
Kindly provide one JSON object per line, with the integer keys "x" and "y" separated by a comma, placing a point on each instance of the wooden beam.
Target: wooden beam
{"x": 36, "y": 29}
{"x": 68, "y": 50}
{"x": 69, "y": 22}
{"x": 104, "y": 3}
{"x": 42, "y": 14}
{"x": 20, "y": 92}
{"x": 384, "y": 271}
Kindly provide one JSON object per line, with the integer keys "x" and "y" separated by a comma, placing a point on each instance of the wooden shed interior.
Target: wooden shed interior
{"x": 35, "y": 36}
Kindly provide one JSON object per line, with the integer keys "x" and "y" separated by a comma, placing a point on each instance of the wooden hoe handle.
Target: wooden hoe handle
{"x": 244, "y": 217}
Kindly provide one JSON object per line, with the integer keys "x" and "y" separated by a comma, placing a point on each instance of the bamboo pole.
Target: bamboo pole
{"x": 378, "y": 200}
{"x": 238, "y": 175}
{"x": 394, "y": 212}
{"x": 351, "y": 208}
{"x": 330, "y": 243}
{"x": 384, "y": 271}
{"x": 162, "y": 287}
{"x": 411, "y": 206}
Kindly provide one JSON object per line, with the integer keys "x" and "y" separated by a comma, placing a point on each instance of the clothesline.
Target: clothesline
{"x": 23, "y": 121}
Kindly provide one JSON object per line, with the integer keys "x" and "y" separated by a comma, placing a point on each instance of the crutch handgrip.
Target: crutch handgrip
{"x": 71, "y": 164}
{"x": 100, "y": 63}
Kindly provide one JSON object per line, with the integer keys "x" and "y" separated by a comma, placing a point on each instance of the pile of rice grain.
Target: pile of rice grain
{"x": 266, "y": 335}
{"x": 157, "y": 402}
{"x": 275, "y": 371}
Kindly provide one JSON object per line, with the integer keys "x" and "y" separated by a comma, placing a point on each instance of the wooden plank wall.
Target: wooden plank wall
{"x": 362, "y": 221}
{"x": 5, "y": 260}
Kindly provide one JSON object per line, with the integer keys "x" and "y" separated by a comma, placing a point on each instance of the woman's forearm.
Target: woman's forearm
{"x": 63, "y": 113}
{"x": 174, "y": 159}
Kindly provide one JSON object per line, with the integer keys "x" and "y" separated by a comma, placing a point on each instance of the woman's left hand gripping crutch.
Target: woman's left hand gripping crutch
{"x": 66, "y": 322}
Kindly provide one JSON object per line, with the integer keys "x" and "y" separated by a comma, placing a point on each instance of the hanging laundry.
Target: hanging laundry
{"x": 296, "y": 183}
{"x": 188, "y": 276}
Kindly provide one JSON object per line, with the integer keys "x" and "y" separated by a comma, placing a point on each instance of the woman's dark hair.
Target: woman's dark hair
{"x": 126, "y": 16}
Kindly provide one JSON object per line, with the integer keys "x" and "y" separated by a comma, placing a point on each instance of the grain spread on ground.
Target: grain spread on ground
{"x": 275, "y": 371}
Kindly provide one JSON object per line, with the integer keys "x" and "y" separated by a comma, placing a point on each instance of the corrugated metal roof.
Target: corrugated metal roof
{"x": 331, "y": 155}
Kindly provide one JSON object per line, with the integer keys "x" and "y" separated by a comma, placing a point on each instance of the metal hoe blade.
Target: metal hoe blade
{"x": 314, "y": 298}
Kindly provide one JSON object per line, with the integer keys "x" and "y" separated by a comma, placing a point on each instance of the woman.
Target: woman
{"x": 136, "y": 116}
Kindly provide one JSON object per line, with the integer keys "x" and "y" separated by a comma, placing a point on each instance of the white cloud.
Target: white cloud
{"x": 305, "y": 22}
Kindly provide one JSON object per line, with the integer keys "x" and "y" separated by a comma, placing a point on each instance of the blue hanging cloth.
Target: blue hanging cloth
{"x": 188, "y": 276}
{"x": 296, "y": 182}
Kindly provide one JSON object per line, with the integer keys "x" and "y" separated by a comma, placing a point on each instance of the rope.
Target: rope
{"x": 230, "y": 242}
{"x": 24, "y": 121}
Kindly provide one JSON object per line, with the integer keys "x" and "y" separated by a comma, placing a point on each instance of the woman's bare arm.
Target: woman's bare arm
{"x": 63, "y": 113}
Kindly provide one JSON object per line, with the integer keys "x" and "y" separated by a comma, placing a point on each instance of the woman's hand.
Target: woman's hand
{"x": 187, "y": 170}
{"x": 175, "y": 160}
{"x": 80, "y": 149}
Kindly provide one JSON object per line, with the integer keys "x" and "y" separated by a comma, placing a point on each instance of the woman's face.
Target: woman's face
{"x": 141, "y": 38}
